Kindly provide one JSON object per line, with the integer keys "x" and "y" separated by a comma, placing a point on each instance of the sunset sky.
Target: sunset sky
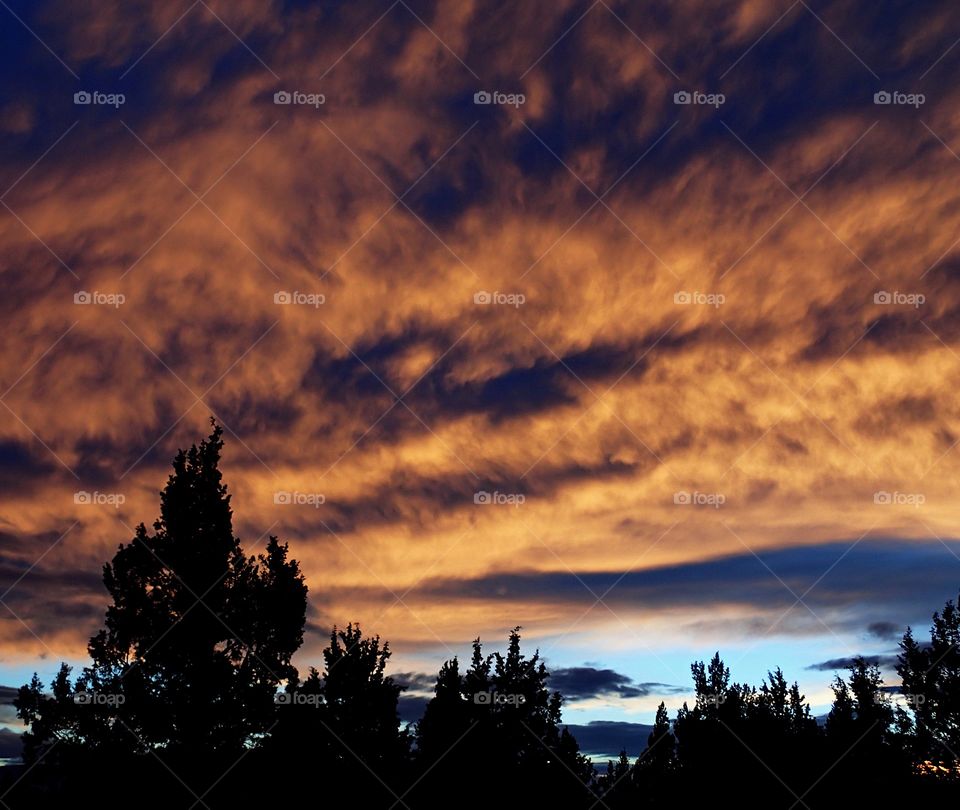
{"x": 704, "y": 353}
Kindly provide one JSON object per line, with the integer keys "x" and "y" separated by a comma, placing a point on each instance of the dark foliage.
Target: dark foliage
{"x": 191, "y": 700}
{"x": 499, "y": 719}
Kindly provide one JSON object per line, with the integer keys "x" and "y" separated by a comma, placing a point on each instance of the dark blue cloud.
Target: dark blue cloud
{"x": 23, "y": 467}
{"x": 843, "y": 664}
{"x": 8, "y": 714}
{"x": 607, "y": 738}
{"x": 582, "y": 683}
{"x": 411, "y": 707}
{"x": 909, "y": 579}
{"x": 11, "y": 745}
{"x": 885, "y": 631}
{"x": 416, "y": 681}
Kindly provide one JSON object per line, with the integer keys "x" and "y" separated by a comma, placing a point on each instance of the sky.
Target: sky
{"x": 632, "y": 324}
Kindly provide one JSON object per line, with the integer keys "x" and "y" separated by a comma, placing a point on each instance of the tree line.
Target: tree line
{"x": 191, "y": 699}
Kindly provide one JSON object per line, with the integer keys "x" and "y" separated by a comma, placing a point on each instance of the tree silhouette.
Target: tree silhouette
{"x": 196, "y": 639}
{"x": 345, "y": 719}
{"x": 704, "y": 731}
{"x": 931, "y": 686}
{"x": 655, "y": 770}
{"x": 861, "y": 712}
{"x": 499, "y": 718}
{"x": 615, "y": 785}
{"x": 863, "y": 732}
{"x": 738, "y": 734}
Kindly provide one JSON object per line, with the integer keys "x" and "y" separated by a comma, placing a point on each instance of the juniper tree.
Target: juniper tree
{"x": 197, "y": 636}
